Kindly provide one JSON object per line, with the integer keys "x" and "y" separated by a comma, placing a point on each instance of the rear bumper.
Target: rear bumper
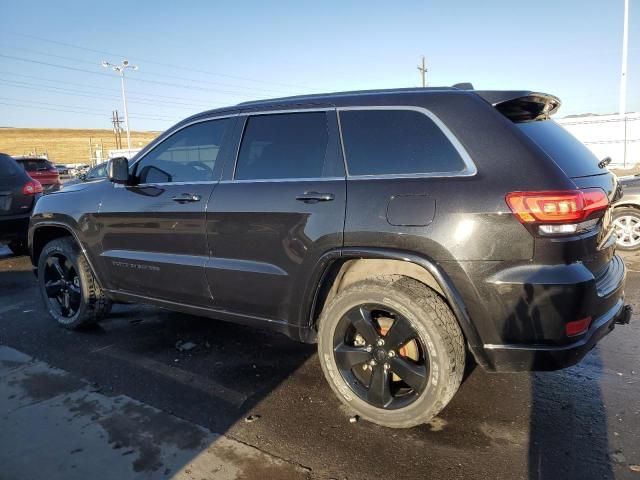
{"x": 515, "y": 358}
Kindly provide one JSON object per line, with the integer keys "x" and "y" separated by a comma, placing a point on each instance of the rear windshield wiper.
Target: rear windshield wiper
{"x": 604, "y": 162}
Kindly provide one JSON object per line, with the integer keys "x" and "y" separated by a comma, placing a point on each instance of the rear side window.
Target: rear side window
{"x": 391, "y": 142}
{"x": 291, "y": 145}
{"x": 8, "y": 167}
{"x": 567, "y": 151}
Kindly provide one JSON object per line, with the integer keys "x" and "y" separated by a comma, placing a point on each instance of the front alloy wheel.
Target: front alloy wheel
{"x": 68, "y": 287}
{"x": 62, "y": 285}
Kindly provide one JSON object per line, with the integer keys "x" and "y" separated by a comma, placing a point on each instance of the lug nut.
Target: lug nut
{"x": 369, "y": 348}
{"x": 392, "y": 353}
{"x": 372, "y": 363}
{"x": 380, "y": 342}
{"x": 386, "y": 366}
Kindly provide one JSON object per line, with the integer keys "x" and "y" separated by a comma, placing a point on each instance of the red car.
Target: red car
{"x": 43, "y": 171}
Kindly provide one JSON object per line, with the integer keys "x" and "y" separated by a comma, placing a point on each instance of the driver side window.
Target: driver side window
{"x": 189, "y": 155}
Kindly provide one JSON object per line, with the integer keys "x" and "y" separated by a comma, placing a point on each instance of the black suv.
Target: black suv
{"x": 398, "y": 229}
{"x": 18, "y": 195}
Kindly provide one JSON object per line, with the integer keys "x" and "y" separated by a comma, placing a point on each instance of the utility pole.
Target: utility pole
{"x": 622, "y": 108}
{"x": 117, "y": 129}
{"x": 423, "y": 72}
{"x": 119, "y": 69}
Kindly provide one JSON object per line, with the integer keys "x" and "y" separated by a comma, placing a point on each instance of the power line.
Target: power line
{"x": 157, "y": 82}
{"x": 66, "y": 91}
{"x": 172, "y": 97}
{"x": 151, "y": 61}
{"x": 84, "y": 109}
{"x": 70, "y": 111}
{"x": 175, "y": 77}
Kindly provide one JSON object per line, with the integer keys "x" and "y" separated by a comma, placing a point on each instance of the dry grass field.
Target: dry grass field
{"x": 65, "y": 145}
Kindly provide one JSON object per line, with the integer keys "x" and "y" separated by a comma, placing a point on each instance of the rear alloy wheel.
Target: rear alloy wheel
{"x": 68, "y": 287}
{"x": 391, "y": 350}
{"x": 626, "y": 222}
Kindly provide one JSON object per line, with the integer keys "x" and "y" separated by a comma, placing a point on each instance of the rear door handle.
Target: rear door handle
{"x": 315, "y": 197}
{"x": 186, "y": 197}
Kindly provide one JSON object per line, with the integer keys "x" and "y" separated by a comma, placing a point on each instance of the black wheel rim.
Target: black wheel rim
{"x": 381, "y": 356}
{"x": 62, "y": 285}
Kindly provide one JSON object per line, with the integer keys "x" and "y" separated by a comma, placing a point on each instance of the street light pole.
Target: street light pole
{"x": 622, "y": 107}
{"x": 126, "y": 113}
{"x": 119, "y": 69}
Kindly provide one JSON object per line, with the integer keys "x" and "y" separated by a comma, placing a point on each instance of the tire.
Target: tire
{"x": 19, "y": 247}
{"x": 626, "y": 221}
{"x": 86, "y": 302}
{"x": 436, "y": 331}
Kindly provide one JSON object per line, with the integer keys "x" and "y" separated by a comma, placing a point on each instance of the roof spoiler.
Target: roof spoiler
{"x": 522, "y": 106}
{"x": 518, "y": 105}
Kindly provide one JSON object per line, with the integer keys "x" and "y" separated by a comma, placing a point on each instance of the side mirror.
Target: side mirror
{"x": 118, "y": 170}
{"x": 82, "y": 176}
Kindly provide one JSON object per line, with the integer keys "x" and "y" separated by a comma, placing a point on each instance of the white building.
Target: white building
{"x": 609, "y": 136}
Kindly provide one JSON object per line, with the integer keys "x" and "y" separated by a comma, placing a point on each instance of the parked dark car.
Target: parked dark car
{"x": 398, "y": 229}
{"x": 43, "y": 171}
{"x": 18, "y": 195}
{"x": 98, "y": 172}
{"x": 62, "y": 169}
{"x": 626, "y": 214}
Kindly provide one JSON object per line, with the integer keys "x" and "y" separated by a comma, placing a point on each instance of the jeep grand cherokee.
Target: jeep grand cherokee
{"x": 398, "y": 229}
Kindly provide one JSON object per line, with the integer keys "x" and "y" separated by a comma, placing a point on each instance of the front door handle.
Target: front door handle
{"x": 186, "y": 197}
{"x": 315, "y": 197}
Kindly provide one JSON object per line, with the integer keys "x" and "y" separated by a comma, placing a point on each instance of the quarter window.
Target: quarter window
{"x": 291, "y": 145}
{"x": 189, "y": 155}
{"x": 388, "y": 142}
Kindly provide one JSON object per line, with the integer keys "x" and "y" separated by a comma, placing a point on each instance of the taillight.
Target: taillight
{"x": 32, "y": 187}
{"x": 568, "y": 208}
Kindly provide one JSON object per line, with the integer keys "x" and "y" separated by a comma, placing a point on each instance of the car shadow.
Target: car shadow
{"x": 569, "y": 436}
{"x": 568, "y": 424}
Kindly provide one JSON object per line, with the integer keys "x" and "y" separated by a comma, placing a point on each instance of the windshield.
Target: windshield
{"x": 568, "y": 152}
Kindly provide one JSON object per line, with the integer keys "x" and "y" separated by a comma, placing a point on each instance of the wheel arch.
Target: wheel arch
{"x": 635, "y": 206}
{"x": 43, "y": 232}
{"x": 354, "y": 264}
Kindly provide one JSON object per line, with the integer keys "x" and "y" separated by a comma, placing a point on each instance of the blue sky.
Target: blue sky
{"x": 195, "y": 55}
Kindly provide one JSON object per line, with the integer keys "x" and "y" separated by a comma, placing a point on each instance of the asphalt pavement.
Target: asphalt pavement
{"x": 149, "y": 393}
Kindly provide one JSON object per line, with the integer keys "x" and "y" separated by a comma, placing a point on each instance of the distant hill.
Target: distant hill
{"x": 65, "y": 145}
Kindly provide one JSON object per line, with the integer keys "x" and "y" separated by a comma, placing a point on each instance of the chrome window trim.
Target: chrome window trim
{"x": 470, "y": 168}
{"x": 161, "y": 139}
{"x": 293, "y": 110}
{"x": 283, "y": 180}
{"x": 165, "y": 184}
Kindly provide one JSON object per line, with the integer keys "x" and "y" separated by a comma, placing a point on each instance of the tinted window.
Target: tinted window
{"x": 8, "y": 167}
{"x": 383, "y": 142}
{"x": 292, "y": 145}
{"x": 567, "y": 151}
{"x": 98, "y": 172}
{"x": 189, "y": 155}
{"x": 35, "y": 164}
